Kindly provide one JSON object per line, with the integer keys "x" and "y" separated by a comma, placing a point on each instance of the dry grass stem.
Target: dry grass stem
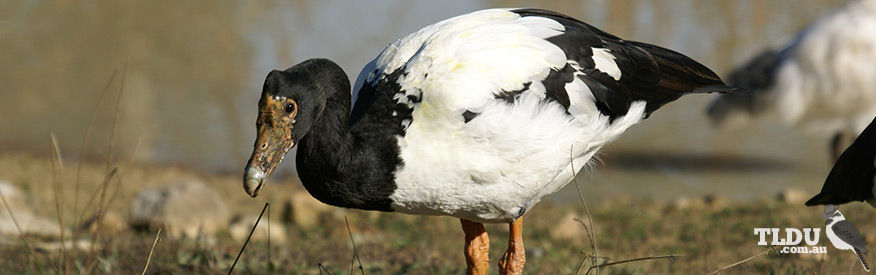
{"x": 591, "y": 231}
{"x": 248, "y": 237}
{"x": 83, "y": 147}
{"x": 58, "y": 190}
{"x": 110, "y": 168}
{"x": 355, "y": 251}
{"x": 630, "y": 261}
{"x": 270, "y": 264}
{"x": 323, "y": 269}
{"x": 116, "y": 115}
{"x": 98, "y": 220}
{"x": 741, "y": 262}
{"x": 149, "y": 259}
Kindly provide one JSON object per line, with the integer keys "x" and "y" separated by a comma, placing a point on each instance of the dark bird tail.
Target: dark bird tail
{"x": 861, "y": 258}
{"x": 717, "y": 89}
{"x": 835, "y": 198}
{"x": 671, "y": 74}
{"x": 851, "y": 178}
{"x": 820, "y": 199}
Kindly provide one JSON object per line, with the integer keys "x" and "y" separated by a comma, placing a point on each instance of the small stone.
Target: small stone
{"x": 111, "y": 223}
{"x": 184, "y": 208}
{"x": 714, "y": 201}
{"x": 568, "y": 228}
{"x": 27, "y": 221}
{"x": 54, "y": 247}
{"x": 29, "y": 224}
{"x": 14, "y": 197}
{"x": 536, "y": 252}
{"x": 683, "y": 203}
{"x": 241, "y": 226}
{"x": 304, "y": 211}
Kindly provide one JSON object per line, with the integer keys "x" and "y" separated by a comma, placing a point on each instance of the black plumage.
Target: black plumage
{"x": 853, "y": 174}
{"x": 648, "y": 72}
{"x": 332, "y": 162}
{"x": 511, "y": 96}
{"x": 469, "y": 115}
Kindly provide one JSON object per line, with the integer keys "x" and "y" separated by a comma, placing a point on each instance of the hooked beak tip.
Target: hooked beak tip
{"x": 253, "y": 180}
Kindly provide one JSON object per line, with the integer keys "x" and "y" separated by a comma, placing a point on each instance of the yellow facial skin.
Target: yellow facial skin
{"x": 273, "y": 140}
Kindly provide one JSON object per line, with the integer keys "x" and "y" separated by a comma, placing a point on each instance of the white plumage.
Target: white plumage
{"x": 467, "y": 173}
{"x": 492, "y": 174}
{"x": 835, "y": 69}
{"x": 824, "y": 79}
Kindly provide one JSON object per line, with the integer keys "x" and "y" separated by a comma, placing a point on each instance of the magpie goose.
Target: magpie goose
{"x": 823, "y": 79}
{"x": 476, "y": 117}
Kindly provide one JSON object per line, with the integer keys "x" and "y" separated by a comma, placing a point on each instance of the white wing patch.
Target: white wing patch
{"x": 604, "y": 61}
{"x": 538, "y": 89}
{"x": 581, "y": 99}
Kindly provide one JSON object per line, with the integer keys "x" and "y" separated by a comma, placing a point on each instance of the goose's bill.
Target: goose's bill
{"x": 269, "y": 150}
{"x": 253, "y": 180}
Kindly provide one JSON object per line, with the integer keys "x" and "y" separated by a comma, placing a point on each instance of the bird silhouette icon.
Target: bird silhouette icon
{"x": 843, "y": 234}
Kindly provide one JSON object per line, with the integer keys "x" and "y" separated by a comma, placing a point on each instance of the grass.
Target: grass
{"x": 635, "y": 237}
{"x": 705, "y": 239}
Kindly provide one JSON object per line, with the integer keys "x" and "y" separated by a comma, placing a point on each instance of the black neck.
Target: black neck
{"x": 337, "y": 167}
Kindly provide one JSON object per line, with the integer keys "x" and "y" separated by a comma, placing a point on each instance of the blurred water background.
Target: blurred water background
{"x": 192, "y": 72}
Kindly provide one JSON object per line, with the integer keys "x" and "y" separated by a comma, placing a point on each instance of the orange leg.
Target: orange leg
{"x": 514, "y": 258}
{"x": 477, "y": 247}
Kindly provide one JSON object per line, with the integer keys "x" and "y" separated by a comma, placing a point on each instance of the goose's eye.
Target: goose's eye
{"x": 290, "y": 108}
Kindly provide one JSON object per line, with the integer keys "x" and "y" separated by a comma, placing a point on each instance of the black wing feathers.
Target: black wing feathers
{"x": 648, "y": 72}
